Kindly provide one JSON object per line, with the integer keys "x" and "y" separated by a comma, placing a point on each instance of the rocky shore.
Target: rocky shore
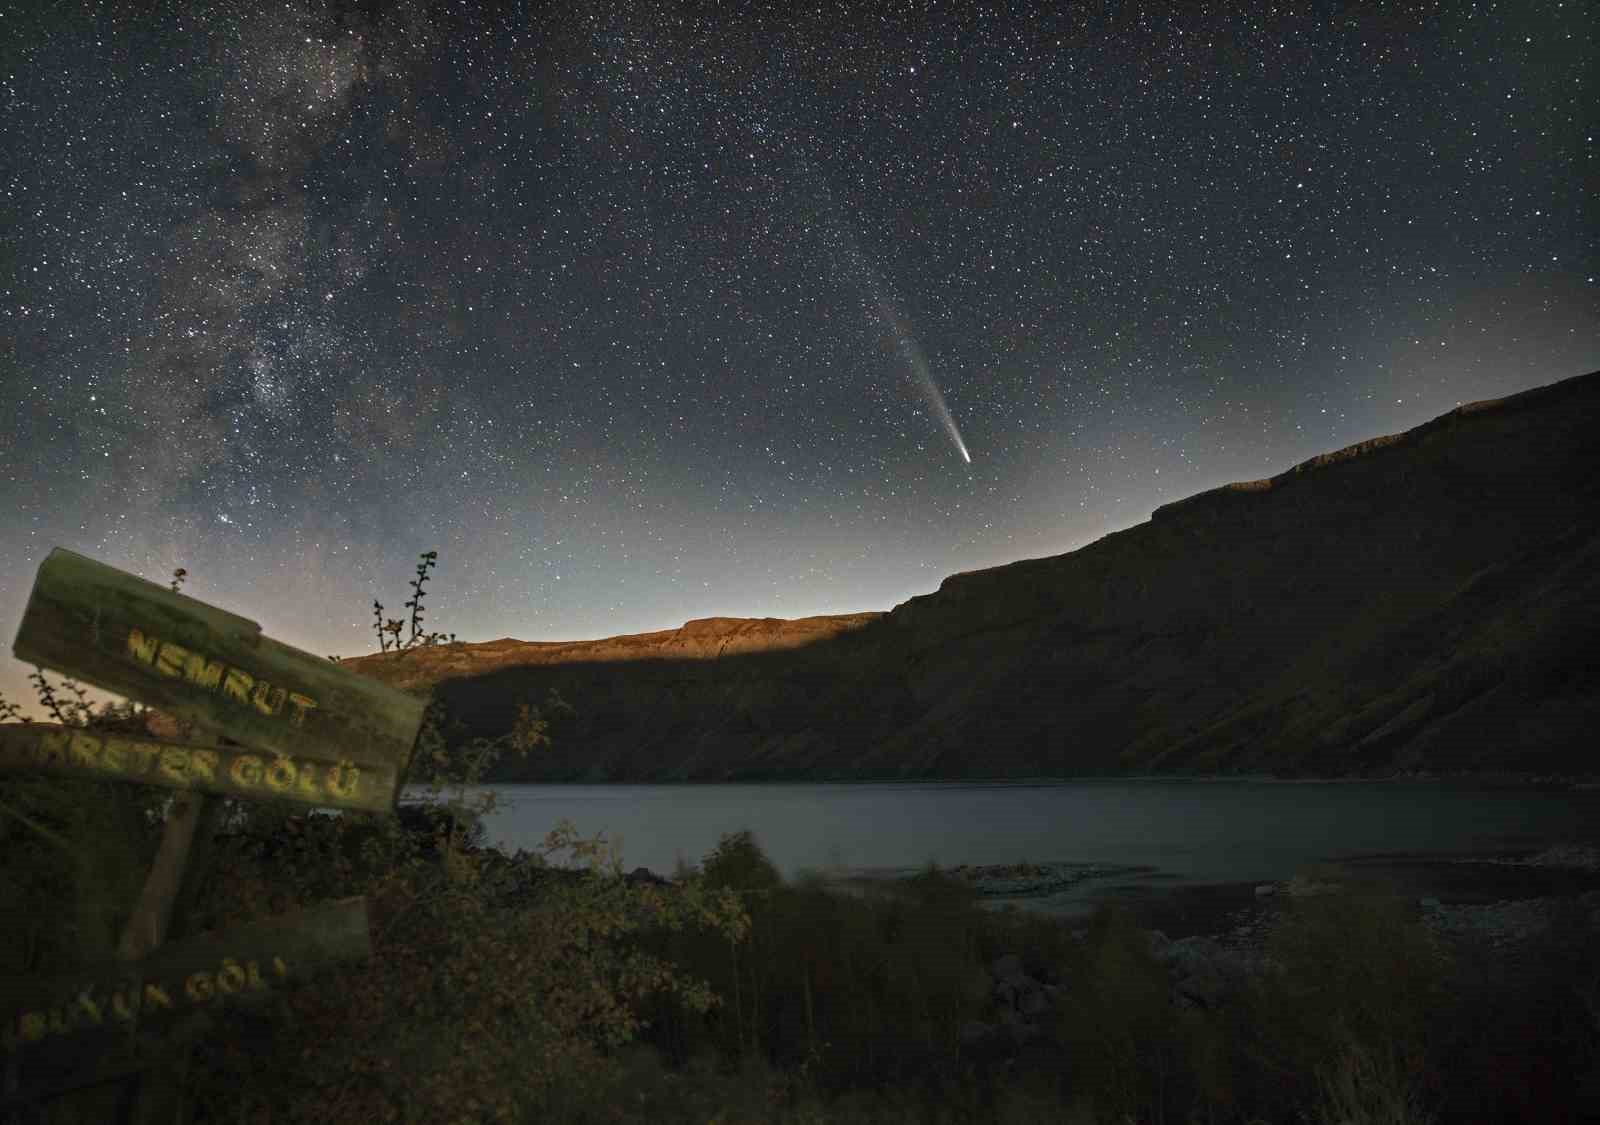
{"x": 1206, "y": 970}
{"x": 1222, "y": 932}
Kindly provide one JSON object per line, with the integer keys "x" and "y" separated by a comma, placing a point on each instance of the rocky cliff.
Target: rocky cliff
{"x": 1428, "y": 600}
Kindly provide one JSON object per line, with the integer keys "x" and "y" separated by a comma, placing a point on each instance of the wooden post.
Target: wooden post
{"x": 158, "y": 1098}
{"x": 152, "y": 915}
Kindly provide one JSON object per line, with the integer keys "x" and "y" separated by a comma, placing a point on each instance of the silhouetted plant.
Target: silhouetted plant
{"x": 388, "y": 630}
{"x": 69, "y": 713}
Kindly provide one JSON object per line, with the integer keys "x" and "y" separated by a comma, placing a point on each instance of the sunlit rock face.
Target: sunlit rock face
{"x": 1427, "y": 600}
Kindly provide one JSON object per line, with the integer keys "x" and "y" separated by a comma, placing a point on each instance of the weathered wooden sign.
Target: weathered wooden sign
{"x": 202, "y": 664}
{"x": 288, "y": 725}
{"x": 66, "y": 1029}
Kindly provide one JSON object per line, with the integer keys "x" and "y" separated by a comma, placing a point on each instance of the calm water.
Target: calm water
{"x": 1194, "y": 832}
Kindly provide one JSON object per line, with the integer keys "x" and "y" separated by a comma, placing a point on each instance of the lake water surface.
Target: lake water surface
{"x": 1175, "y": 832}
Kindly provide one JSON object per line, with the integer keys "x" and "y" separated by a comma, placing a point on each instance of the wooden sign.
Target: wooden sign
{"x": 289, "y": 725}
{"x": 64, "y": 1032}
{"x": 208, "y": 666}
{"x": 232, "y": 771}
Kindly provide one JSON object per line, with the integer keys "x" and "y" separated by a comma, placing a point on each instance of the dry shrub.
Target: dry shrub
{"x": 1358, "y": 983}
{"x": 1363, "y": 1087}
{"x": 471, "y": 1008}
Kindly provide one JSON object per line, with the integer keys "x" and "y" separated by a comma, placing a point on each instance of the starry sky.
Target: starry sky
{"x": 637, "y": 315}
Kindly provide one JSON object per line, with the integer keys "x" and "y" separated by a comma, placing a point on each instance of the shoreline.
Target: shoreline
{"x": 1486, "y": 779}
{"x": 1467, "y": 888}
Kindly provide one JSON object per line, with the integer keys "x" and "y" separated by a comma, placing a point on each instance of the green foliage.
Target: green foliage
{"x": 1119, "y": 1031}
{"x": 497, "y": 988}
{"x": 1521, "y": 1036}
{"x": 840, "y": 993}
{"x": 73, "y": 852}
{"x": 1360, "y": 985}
{"x": 739, "y": 863}
{"x": 73, "y": 855}
{"x": 494, "y": 991}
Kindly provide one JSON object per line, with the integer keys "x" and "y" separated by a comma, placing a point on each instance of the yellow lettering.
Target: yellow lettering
{"x": 203, "y": 765}
{"x": 84, "y": 750}
{"x": 302, "y": 704}
{"x": 202, "y": 672}
{"x": 175, "y": 764}
{"x": 157, "y": 996}
{"x": 252, "y": 975}
{"x": 171, "y": 659}
{"x": 125, "y": 1005}
{"x": 145, "y": 753}
{"x": 88, "y": 1007}
{"x": 307, "y": 782}
{"x": 246, "y": 771}
{"x": 113, "y": 756}
{"x": 198, "y": 987}
{"x": 230, "y": 978}
{"x": 236, "y": 685}
{"x": 33, "y": 1027}
{"x": 343, "y": 779}
{"x": 281, "y": 773}
{"x": 55, "y": 749}
{"x": 279, "y": 967}
{"x": 141, "y": 647}
{"x": 267, "y": 698}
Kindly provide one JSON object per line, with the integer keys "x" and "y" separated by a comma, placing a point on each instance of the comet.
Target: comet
{"x": 841, "y": 240}
{"x": 909, "y": 350}
{"x": 906, "y": 345}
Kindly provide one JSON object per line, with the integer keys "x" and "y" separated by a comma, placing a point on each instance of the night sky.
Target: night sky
{"x": 637, "y": 316}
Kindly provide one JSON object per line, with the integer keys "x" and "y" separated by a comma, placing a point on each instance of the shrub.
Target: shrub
{"x": 737, "y": 862}
{"x": 1358, "y": 985}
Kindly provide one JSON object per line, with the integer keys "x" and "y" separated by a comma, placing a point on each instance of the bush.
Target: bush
{"x": 737, "y": 862}
{"x": 1359, "y": 986}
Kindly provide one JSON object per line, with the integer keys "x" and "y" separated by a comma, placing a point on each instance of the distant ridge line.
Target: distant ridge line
{"x": 1510, "y": 404}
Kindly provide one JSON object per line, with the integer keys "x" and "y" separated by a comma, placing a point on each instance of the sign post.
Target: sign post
{"x": 283, "y": 724}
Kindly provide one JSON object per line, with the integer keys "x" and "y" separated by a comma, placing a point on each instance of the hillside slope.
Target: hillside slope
{"x": 1425, "y": 600}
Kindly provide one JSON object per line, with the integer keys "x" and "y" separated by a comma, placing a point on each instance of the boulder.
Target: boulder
{"x": 1007, "y": 966}
{"x": 1158, "y": 942}
{"x": 1020, "y": 994}
{"x": 1190, "y": 954}
{"x": 1203, "y": 974}
{"x": 1033, "y": 1003}
{"x": 1205, "y": 986}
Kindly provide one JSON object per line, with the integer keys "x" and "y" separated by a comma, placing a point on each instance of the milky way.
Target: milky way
{"x": 637, "y": 316}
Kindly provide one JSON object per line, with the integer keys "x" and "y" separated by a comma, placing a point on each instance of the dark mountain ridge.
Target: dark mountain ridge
{"x": 1424, "y": 601}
